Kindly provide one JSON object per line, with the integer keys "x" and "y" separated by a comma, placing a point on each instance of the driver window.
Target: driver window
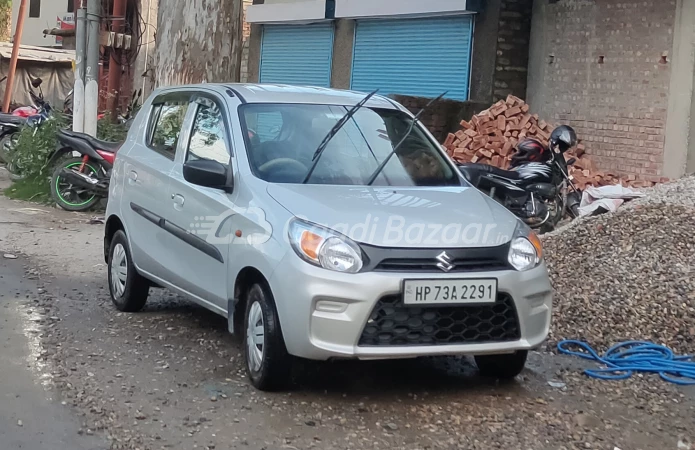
{"x": 208, "y": 136}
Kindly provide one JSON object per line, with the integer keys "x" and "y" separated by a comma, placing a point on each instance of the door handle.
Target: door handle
{"x": 178, "y": 200}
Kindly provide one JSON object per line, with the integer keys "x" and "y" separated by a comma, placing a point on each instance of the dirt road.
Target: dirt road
{"x": 171, "y": 377}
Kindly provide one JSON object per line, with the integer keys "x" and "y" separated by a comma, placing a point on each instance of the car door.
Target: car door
{"x": 201, "y": 267}
{"x": 147, "y": 168}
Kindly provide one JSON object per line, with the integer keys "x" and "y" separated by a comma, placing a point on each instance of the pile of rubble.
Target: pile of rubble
{"x": 628, "y": 275}
{"x": 491, "y": 136}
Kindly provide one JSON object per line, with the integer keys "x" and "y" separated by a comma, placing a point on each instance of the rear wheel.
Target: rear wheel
{"x": 128, "y": 289}
{"x": 69, "y": 196}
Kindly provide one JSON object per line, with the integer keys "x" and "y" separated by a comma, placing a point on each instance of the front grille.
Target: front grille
{"x": 392, "y": 323}
{"x": 428, "y": 265}
{"x": 425, "y": 260}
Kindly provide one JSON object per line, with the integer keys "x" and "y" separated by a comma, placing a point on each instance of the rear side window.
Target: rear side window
{"x": 165, "y": 127}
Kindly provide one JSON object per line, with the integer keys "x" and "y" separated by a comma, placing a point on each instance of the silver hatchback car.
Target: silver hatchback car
{"x": 323, "y": 224}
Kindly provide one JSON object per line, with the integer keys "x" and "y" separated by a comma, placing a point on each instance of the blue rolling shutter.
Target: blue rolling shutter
{"x": 297, "y": 54}
{"x": 419, "y": 57}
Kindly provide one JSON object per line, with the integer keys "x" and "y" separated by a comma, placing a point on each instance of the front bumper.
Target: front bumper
{"x": 323, "y": 313}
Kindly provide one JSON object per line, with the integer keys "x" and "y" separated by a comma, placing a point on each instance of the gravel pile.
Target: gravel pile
{"x": 628, "y": 275}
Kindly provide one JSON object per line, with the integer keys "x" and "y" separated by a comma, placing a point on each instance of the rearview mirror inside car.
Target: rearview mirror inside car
{"x": 208, "y": 173}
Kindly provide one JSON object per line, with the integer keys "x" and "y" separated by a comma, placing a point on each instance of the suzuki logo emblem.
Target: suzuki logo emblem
{"x": 444, "y": 262}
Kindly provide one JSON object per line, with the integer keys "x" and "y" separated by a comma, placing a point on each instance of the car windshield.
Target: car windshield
{"x": 282, "y": 140}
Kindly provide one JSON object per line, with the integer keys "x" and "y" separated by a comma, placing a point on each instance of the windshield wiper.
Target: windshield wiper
{"x": 331, "y": 134}
{"x": 378, "y": 170}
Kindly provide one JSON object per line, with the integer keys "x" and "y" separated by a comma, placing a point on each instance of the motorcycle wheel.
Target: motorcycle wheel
{"x": 6, "y": 145}
{"x": 71, "y": 197}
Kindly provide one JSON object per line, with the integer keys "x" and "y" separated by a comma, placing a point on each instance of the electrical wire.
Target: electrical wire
{"x": 626, "y": 358}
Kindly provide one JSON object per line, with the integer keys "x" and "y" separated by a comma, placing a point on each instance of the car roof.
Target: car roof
{"x": 283, "y": 93}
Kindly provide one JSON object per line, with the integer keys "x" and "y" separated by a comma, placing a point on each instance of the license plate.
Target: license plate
{"x": 433, "y": 292}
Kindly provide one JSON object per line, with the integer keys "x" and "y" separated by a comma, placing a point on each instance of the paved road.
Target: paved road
{"x": 30, "y": 415}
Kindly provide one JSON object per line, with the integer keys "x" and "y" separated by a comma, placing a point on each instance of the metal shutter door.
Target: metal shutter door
{"x": 419, "y": 57}
{"x": 297, "y": 54}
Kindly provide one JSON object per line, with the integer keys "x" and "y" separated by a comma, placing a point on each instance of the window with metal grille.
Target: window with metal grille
{"x": 35, "y": 8}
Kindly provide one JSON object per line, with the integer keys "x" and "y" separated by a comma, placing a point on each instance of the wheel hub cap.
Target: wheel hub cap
{"x": 119, "y": 270}
{"x": 255, "y": 337}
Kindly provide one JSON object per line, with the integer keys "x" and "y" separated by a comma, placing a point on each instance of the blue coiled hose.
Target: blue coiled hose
{"x": 626, "y": 358}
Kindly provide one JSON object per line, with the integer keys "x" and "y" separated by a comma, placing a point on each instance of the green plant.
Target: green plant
{"x": 109, "y": 130}
{"x": 36, "y": 145}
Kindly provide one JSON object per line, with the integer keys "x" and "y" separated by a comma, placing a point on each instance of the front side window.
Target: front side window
{"x": 282, "y": 140}
{"x": 208, "y": 135}
{"x": 165, "y": 127}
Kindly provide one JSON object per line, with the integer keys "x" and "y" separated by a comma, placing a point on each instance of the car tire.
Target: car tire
{"x": 268, "y": 364}
{"x": 504, "y": 367}
{"x": 128, "y": 288}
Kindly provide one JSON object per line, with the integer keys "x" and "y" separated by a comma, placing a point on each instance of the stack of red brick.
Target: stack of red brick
{"x": 491, "y": 136}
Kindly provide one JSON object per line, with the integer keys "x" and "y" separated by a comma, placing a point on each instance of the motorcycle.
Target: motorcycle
{"x": 539, "y": 193}
{"x": 9, "y": 140}
{"x": 78, "y": 183}
{"x": 11, "y": 123}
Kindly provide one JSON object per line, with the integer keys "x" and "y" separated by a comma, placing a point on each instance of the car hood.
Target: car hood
{"x": 446, "y": 217}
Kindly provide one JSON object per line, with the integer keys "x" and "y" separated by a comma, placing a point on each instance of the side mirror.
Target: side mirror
{"x": 36, "y": 82}
{"x": 208, "y": 173}
{"x": 571, "y": 161}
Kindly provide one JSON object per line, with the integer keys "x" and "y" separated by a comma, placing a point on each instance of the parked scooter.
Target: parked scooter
{"x": 78, "y": 183}
{"x": 538, "y": 188}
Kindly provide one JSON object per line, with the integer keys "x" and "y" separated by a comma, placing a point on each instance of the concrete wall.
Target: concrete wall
{"x": 34, "y": 26}
{"x": 679, "y": 150}
{"x": 341, "y": 71}
{"x": 604, "y": 68}
{"x": 246, "y": 34}
{"x": 198, "y": 42}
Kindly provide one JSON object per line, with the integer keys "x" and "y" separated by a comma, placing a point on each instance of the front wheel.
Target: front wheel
{"x": 268, "y": 364}
{"x": 71, "y": 197}
{"x": 503, "y": 367}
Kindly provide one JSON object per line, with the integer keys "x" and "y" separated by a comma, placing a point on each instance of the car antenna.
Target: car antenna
{"x": 338, "y": 125}
{"x": 378, "y": 170}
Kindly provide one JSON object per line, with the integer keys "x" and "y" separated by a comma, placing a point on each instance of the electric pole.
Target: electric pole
{"x": 78, "y": 93}
{"x": 114, "y": 85}
{"x": 91, "y": 109}
{"x": 9, "y": 86}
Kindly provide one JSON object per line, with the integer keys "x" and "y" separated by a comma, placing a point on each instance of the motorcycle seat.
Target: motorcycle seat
{"x": 94, "y": 142}
{"x": 10, "y": 119}
{"x": 471, "y": 168}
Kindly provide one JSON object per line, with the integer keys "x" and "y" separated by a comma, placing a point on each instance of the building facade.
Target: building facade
{"x": 621, "y": 72}
{"x": 41, "y": 14}
{"x": 401, "y": 47}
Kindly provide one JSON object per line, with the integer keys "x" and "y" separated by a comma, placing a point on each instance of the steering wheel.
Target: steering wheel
{"x": 283, "y": 163}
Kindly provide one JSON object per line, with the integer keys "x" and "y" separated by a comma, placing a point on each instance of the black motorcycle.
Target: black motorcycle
{"x": 538, "y": 188}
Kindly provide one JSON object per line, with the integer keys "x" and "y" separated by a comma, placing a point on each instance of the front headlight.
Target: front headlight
{"x": 525, "y": 251}
{"x": 324, "y": 248}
